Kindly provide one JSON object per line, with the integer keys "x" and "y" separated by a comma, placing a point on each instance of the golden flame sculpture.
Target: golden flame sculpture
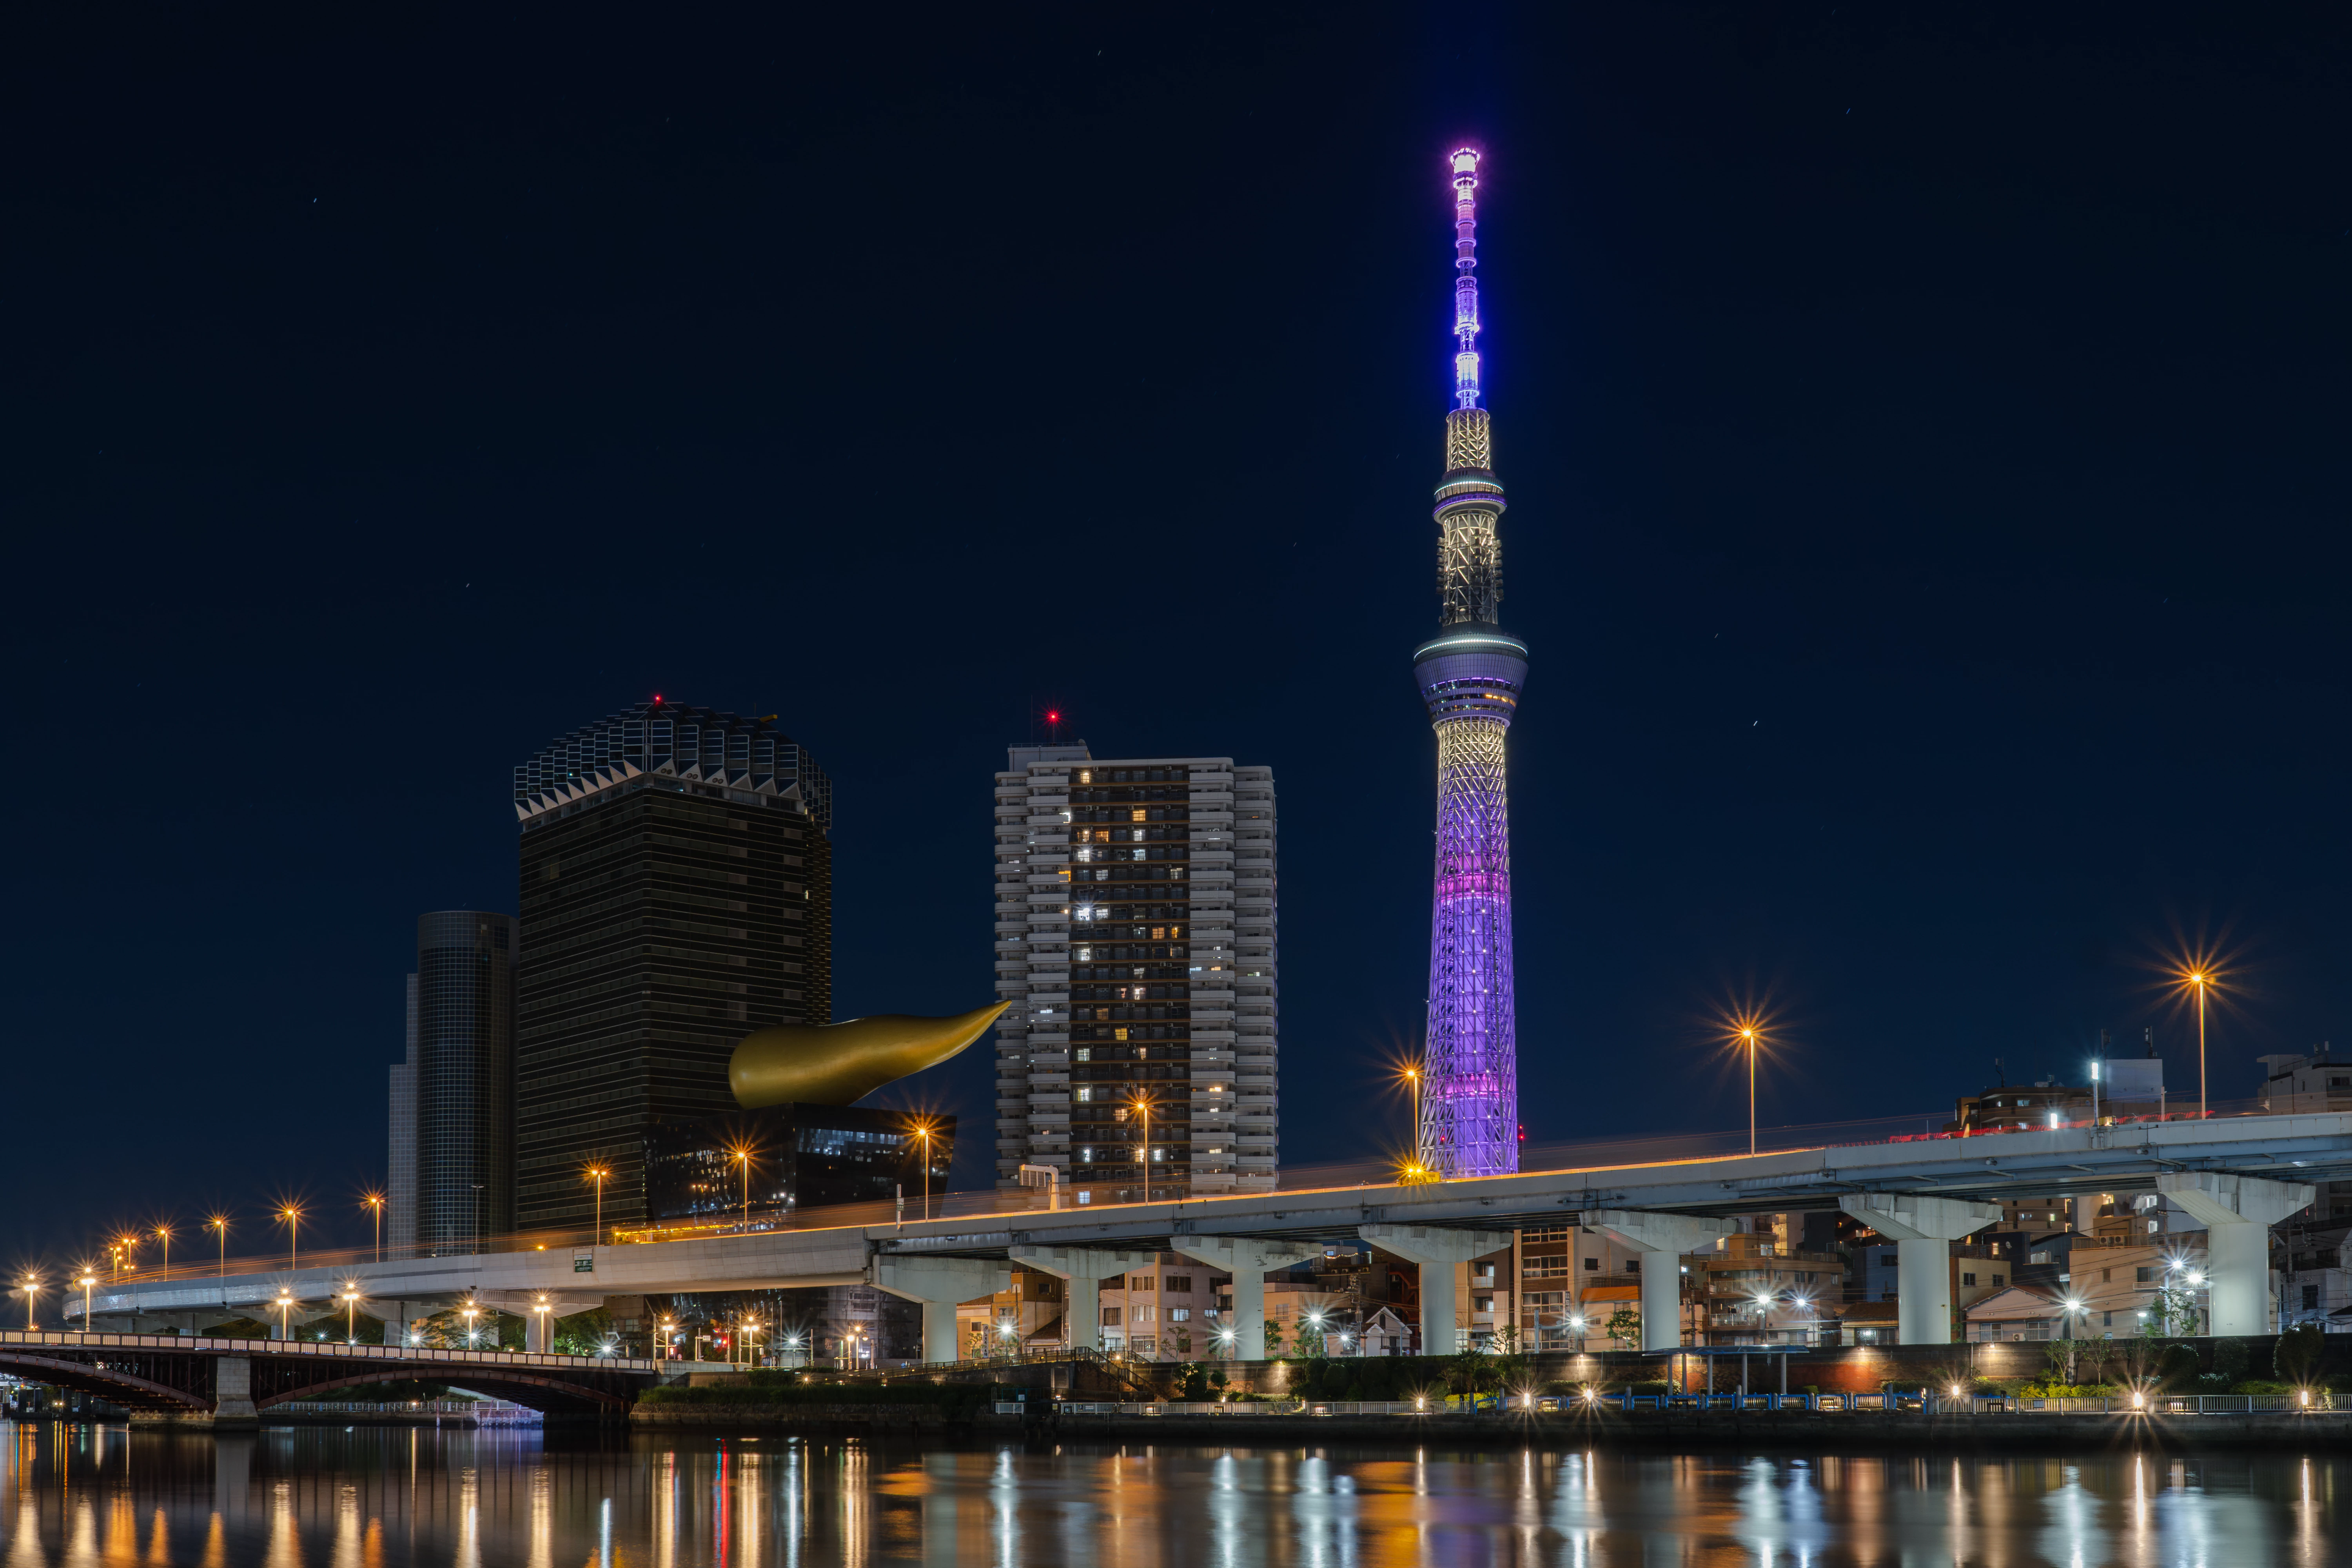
{"x": 835, "y": 1064}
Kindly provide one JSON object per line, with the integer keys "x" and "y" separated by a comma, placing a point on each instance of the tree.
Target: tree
{"x": 2171, "y": 1312}
{"x": 1273, "y": 1338}
{"x": 1470, "y": 1371}
{"x": 1510, "y": 1363}
{"x": 2067, "y": 1358}
{"x": 2297, "y": 1354}
{"x": 1625, "y": 1326}
{"x": 584, "y": 1333}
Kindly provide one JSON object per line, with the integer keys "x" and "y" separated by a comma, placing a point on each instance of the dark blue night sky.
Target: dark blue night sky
{"x": 1927, "y": 443}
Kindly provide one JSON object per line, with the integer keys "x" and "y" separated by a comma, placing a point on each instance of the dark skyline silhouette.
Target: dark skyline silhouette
{"x": 1925, "y": 438}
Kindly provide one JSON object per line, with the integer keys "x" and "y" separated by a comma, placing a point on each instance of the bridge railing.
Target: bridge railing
{"x": 323, "y": 1349}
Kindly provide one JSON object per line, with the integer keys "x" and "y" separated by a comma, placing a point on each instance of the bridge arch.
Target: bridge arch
{"x": 530, "y": 1390}
{"x": 116, "y": 1385}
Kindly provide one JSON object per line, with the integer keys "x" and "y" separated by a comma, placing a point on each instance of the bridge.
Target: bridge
{"x": 221, "y": 1382}
{"x": 2237, "y": 1174}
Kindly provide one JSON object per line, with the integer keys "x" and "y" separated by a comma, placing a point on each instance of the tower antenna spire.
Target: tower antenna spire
{"x": 1465, "y": 277}
{"x": 1470, "y": 675}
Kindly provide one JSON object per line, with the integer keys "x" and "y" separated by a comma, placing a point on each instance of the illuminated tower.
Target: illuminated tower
{"x": 1470, "y": 675}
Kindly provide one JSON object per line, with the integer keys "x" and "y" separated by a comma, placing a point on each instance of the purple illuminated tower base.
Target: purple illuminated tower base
{"x": 1470, "y": 675}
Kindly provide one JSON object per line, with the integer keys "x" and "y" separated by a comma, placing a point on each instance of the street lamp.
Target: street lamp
{"x": 742, "y": 1157}
{"x": 923, "y": 1127}
{"x": 667, "y": 1326}
{"x": 163, "y": 1235}
{"x": 1141, "y": 1106}
{"x": 285, "y": 1315}
{"x": 597, "y": 1173}
{"x": 351, "y": 1313}
{"x": 219, "y": 1222}
{"x": 1413, "y": 1083}
{"x": 374, "y": 1201}
{"x": 793, "y": 1343}
{"x": 32, "y": 1290}
{"x": 88, "y": 1279}
{"x": 2202, "y": 980}
{"x": 542, "y": 1307}
{"x": 750, "y": 1336}
{"x": 471, "y": 1312}
{"x": 1748, "y": 1033}
{"x": 292, "y": 1216}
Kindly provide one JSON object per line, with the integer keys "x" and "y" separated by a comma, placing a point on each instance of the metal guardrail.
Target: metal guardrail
{"x": 1900, "y": 1403}
{"x": 495, "y": 1411}
{"x": 73, "y": 1338}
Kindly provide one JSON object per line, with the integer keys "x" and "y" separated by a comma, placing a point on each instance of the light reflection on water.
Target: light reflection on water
{"x": 367, "y": 1497}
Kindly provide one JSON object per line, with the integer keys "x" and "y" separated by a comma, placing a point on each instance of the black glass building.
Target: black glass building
{"x": 463, "y": 1106}
{"x": 676, "y": 895}
{"x": 801, "y": 1157}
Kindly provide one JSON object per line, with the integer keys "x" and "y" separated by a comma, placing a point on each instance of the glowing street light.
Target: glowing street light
{"x": 284, "y": 1305}
{"x": 750, "y": 1332}
{"x": 542, "y": 1307}
{"x": 1747, "y": 1038}
{"x": 2202, "y": 979}
{"x": 374, "y": 1202}
{"x": 1412, "y": 1085}
{"x": 1141, "y": 1106}
{"x": 923, "y": 1127}
{"x": 351, "y": 1313}
{"x": 742, "y": 1157}
{"x": 470, "y": 1311}
{"x": 597, "y": 1173}
{"x": 219, "y": 1222}
{"x": 163, "y": 1235}
{"x": 31, "y": 1287}
{"x": 290, "y": 1216}
{"x": 88, "y": 1279}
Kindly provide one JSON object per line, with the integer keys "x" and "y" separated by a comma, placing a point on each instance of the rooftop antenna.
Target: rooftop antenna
{"x": 2149, "y": 1035}
{"x": 1999, "y": 1073}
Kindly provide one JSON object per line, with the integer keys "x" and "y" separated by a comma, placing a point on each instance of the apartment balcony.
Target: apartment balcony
{"x": 1049, "y": 1061}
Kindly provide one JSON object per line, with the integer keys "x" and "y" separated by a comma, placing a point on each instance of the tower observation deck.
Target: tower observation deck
{"x": 1470, "y": 675}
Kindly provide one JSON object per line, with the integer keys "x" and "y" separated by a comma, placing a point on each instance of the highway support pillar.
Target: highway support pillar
{"x": 1662, "y": 1239}
{"x": 1923, "y": 1229}
{"x": 2238, "y": 1212}
{"x": 1248, "y": 1260}
{"x": 1436, "y": 1251}
{"x": 233, "y": 1391}
{"x": 1082, "y": 1271}
{"x": 940, "y": 1284}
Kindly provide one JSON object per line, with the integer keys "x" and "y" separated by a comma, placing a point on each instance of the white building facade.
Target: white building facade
{"x": 1136, "y": 938}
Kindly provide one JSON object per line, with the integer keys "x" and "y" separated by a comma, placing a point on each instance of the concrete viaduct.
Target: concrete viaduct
{"x": 2237, "y": 1175}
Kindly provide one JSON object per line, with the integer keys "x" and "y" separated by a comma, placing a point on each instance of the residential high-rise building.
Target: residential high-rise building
{"x": 464, "y": 1105}
{"x": 1135, "y": 936}
{"x": 400, "y": 1163}
{"x": 676, "y": 895}
{"x": 1470, "y": 675}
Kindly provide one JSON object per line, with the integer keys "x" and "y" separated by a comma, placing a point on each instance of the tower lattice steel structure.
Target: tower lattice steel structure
{"x": 1470, "y": 675}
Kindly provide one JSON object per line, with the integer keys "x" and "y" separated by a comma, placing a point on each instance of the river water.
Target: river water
{"x": 311, "y": 1498}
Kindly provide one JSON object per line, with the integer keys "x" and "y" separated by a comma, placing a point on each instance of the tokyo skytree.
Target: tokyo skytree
{"x": 1470, "y": 675}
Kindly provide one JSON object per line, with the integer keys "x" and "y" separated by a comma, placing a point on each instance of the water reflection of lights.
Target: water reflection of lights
{"x": 356, "y": 1499}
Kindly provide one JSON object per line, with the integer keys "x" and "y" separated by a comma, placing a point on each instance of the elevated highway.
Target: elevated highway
{"x": 2239, "y": 1174}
